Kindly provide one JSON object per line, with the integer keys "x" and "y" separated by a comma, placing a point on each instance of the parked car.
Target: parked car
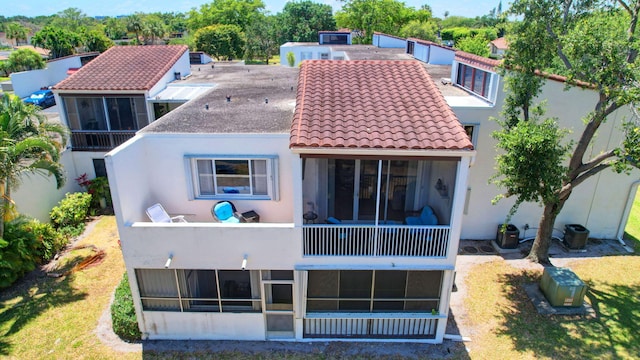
{"x": 42, "y": 98}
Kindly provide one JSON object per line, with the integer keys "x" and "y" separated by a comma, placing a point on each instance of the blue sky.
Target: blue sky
{"x": 469, "y": 8}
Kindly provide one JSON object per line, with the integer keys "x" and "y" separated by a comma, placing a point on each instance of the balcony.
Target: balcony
{"x": 83, "y": 140}
{"x": 371, "y": 240}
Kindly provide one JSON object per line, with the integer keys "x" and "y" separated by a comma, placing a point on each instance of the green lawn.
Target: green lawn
{"x": 632, "y": 231}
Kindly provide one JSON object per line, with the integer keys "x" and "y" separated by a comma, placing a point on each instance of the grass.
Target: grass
{"x": 56, "y": 317}
{"x": 632, "y": 231}
{"x": 510, "y": 327}
{"x": 4, "y": 78}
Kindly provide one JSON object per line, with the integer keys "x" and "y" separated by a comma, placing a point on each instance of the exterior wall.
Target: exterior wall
{"x": 173, "y": 191}
{"x": 182, "y": 66}
{"x": 202, "y": 326}
{"x": 26, "y": 82}
{"x": 598, "y": 203}
{"x": 421, "y": 52}
{"x": 83, "y": 163}
{"x": 441, "y": 56}
{"x": 37, "y": 195}
{"x": 298, "y": 49}
{"x": 386, "y": 41}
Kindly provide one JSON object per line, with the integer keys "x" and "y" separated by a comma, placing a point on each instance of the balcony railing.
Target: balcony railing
{"x": 420, "y": 328}
{"x": 84, "y": 140}
{"x": 370, "y": 240}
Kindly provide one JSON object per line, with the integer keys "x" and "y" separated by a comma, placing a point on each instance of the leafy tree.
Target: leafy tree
{"x": 474, "y": 45}
{"x": 301, "y": 21}
{"x": 457, "y": 21}
{"x": 25, "y": 59}
{"x": 220, "y": 41}
{"x": 115, "y": 28}
{"x": 59, "y": 41}
{"x": 595, "y": 43}
{"x": 95, "y": 40}
{"x": 425, "y": 30}
{"x": 72, "y": 19}
{"x": 16, "y": 31}
{"x": 367, "y": 16}
{"x": 262, "y": 39}
{"x": 28, "y": 144}
{"x": 229, "y": 12}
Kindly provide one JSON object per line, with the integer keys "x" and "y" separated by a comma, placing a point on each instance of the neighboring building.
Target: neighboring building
{"x": 341, "y": 37}
{"x": 124, "y": 89}
{"x": 498, "y": 47}
{"x": 56, "y": 70}
{"x": 358, "y": 179}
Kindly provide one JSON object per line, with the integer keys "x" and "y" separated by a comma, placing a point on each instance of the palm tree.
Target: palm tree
{"x": 28, "y": 145}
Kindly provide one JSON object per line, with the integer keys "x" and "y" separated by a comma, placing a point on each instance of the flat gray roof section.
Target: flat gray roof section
{"x": 248, "y": 87}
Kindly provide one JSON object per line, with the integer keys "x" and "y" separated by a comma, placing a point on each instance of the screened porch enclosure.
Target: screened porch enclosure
{"x": 104, "y": 122}
{"x": 377, "y": 207}
{"x": 376, "y": 191}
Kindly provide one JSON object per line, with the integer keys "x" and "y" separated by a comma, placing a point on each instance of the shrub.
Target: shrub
{"x": 71, "y": 211}
{"x": 48, "y": 240}
{"x": 17, "y": 251}
{"x": 291, "y": 58}
{"x": 123, "y": 313}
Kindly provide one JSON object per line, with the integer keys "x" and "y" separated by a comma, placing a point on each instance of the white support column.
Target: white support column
{"x": 457, "y": 211}
{"x": 445, "y": 298}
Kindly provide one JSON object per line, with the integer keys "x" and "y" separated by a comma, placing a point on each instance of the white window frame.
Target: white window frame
{"x": 194, "y": 183}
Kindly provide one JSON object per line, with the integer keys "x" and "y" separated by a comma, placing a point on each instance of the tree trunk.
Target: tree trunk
{"x": 540, "y": 249}
{"x": 4, "y": 203}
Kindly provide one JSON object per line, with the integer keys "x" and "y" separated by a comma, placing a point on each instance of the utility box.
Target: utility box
{"x": 562, "y": 287}
{"x": 508, "y": 238}
{"x": 575, "y": 236}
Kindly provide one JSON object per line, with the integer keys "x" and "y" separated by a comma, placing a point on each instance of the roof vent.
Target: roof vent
{"x": 206, "y": 106}
{"x": 266, "y": 100}
{"x": 177, "y": 75}
{"x": 228, "y": 98}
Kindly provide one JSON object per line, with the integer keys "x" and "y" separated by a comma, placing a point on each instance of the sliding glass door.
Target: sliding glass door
{"x": 366, "y": 190}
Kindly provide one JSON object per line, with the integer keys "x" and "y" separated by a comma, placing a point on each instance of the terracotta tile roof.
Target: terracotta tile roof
{"x": 500, "y": 43}
{"x": 372, "y": 104}
{"x": 125, "y": 68}
{"x": 477, "y": 61}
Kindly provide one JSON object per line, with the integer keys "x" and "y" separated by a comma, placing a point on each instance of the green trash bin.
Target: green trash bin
{"x": 575, "y": 236}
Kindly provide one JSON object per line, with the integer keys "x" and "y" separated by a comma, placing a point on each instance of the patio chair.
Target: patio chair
{"x": 158, "y": 214}
{"x": 225, "y": 211}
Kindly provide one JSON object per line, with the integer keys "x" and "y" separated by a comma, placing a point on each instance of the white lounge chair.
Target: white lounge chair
{"x": 158, "y": 214}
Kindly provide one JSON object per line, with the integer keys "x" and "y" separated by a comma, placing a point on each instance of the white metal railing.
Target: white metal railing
{"x": 417, "y": 328}
{"x": 371, "y": 240}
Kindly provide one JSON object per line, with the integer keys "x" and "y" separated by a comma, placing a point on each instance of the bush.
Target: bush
{"x": 71, "y": 211}
{"x": 123, "y": 313}
{"x": 48, "y": 240}
{"x": 17, "y": 251}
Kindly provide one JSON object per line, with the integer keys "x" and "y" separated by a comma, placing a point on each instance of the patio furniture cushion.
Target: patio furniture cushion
{"x": 224, "y": 212}
{"x": 427, "y": 217}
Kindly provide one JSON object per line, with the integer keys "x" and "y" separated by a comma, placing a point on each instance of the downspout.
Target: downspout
{"x": 625, "y": 215}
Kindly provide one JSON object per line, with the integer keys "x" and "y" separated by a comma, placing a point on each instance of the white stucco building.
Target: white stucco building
{"x": 357, "y": 179}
